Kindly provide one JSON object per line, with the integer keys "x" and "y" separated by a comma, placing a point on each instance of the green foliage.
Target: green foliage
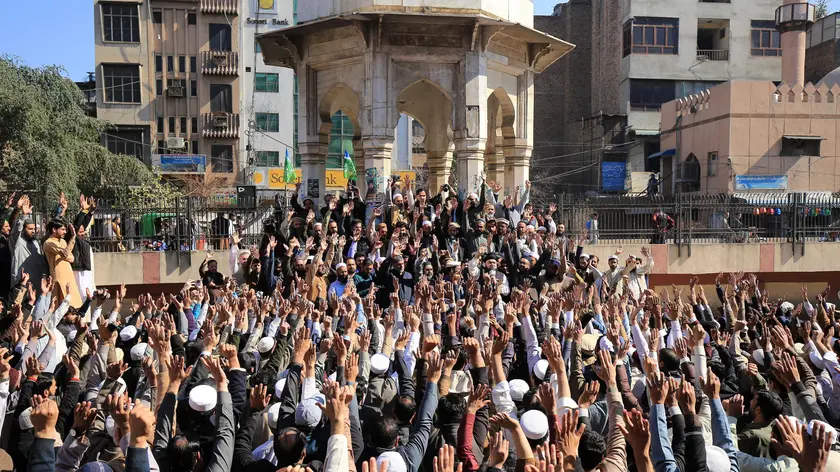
{"x": 49, "y": 145}
{"x": 821, "y": 8}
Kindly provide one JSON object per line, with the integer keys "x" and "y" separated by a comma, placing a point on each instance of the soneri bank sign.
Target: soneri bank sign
{"x": 266, "y": 21}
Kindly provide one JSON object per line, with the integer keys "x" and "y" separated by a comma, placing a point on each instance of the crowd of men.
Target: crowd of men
{"x": 433, "y": 333}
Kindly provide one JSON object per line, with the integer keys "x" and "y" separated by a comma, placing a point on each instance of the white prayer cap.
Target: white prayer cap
{"x": 584, "y": 255}
{"x": 396, "y": 463}
{"x": 541, "y": 228}
{"x": 24, "y": 420}
{"x": 534, "y": 424}
{"x": 540, "y": 369}
{"x": 450, "y": 263}
{"x": 758, "y": 356}
{"x": 138, "y": 351}
{"x": 566, "y": 403}
{"x": 461, "y": 382}
{"x": 128, "y": 333}
{"x": 273, "y": 415}
{"x": 786, "y": 307}
{"x": 265, "y": 345}
{"x": 605, "y": 344}
{"x": 472, "y": 195}
{"x": 518, "y": 388}
{"x": 317, "y": 223}
{"x": 203, "y": 398}
{"x": 817, "y": 360}
{"x": 340, "y": 265}
{"x": 798, "y": 347}
{"x": 716, "y": 459}
{"x": 379, "y": 363}
{"x": 531, "y": 227}
{"x": 613, "y": 258}
{"x": 307, "y": 413}
{"x": 828, "y": 429}
{"x": 278, "y": 388}
{"x": 427, "y": 223}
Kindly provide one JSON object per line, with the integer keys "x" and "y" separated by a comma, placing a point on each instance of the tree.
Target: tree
{"x": 822, "y": 8}
{"x": 49, "y": 145}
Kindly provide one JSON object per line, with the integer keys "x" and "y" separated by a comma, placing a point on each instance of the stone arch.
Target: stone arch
{"x": 501, "y": 120}
{"x": 339, "y": 98}
{"x": 504, "y": 112}
{"x": 431, "y": 105}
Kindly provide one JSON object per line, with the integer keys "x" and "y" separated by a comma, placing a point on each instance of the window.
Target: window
{"x": 158, "y": 63}
{"x": 122, "y": 83}
{"x": 193, "y": 66}
{"x": 797, "y": 146}
{"x": 128, "y": 142}
{"x": 160, "y": 124}
{"x": 712, "y": 164}
{"x": 649, "y": 95}
{"x": 120, "y": 23}
{"x": 182, "y": 64}
{"x": 648, "y": 35}
{"x": 220, "y": 37}
{"x": 220, "y": 98}
{"x": 194, "y": 147}
{"x": 268, "y": 158}
{"x": 159, "y": 87}
{"x": 191, "y": 18}
{"x": 194, "y": 125}
{"x": 170, "y": 63}
{"x": 171, "y": 129}
{"x": 157, "y": 16}
{"x": 193, "y": 88}
{"x": 183, "y": 129}
{"x": 295, "y": 105}
{"x": 341, "y": 139}
{"x": 265, "y": 82}
{"x": 693, "y": 87}
{"x": 221, "y": 158}
{"x": 766, "y": 40}
{"x": 269, "y": 122}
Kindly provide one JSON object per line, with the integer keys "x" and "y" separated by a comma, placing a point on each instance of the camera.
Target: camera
{"x": 445, "y": 187}
{"x": 268, "y": 226}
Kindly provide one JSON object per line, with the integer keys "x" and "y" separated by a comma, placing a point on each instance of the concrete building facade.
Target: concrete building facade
{"x": 822, "y": 55}
{"x": 465, "y": 71}
{"x": 167, "y": 76}
{"x": 268, "y": 92}
{"x": 645, "y": 53}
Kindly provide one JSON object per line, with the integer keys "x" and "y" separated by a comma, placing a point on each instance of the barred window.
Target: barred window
{"x": 120, "y": 23}
{"x": 265, "y": 82}
{"x": 122, "y": 83}
{"x": 766, "y": 40}
{"x": 648, "y": 35}
{"x": 269, "y": 122}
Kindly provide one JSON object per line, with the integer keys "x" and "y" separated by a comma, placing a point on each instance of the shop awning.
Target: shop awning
{"x": 804, "y": 138}
{"x": 665, "y": 153}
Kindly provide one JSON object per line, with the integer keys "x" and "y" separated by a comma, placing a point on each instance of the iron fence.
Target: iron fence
{"x": 193, "y": 223}
{"x": 706, "y": 219}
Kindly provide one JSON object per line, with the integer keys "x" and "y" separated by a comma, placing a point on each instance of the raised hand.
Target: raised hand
{"x": 711, "y": 384}
{"x": 570, "y": 433}
{"x": 445, "y": 460}
{"x": 260, "y": 398}
{"x": 44, "y": 417}
{"x": 499, "y": 450}
{"x": 589, "y": 394}
{"x": 658, "y": 387}
{"x": 636, "y": 430}
{"x": 141, "y": 421}
{"x": 214, "y": 365}
{"x": 83, "y": 417}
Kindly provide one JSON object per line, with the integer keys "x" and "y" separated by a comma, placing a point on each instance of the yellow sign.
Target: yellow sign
{"x": 334, "y": 179}
{"x": 266, "y": 4}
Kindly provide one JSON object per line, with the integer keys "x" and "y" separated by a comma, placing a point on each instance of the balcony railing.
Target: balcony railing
{"x": 219, "y": 62}
{"x": 220, "y": 7}
{"x": 221, "y": 125}
{"x": 713, "y": 54}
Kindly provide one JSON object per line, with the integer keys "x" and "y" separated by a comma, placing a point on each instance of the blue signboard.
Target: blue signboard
{"x": 761, "y": 182}
{"x": 613, "y": 176}
{"x": 183, "y": 163}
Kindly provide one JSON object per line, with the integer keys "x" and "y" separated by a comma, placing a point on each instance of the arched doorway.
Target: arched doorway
{"x": 431, "y": 106}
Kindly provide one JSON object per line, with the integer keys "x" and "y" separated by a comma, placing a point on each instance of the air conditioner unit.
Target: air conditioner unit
{"x": 220, "y": 121}
{"x": 175, "y": 143}
{"x": 175, "y": 91}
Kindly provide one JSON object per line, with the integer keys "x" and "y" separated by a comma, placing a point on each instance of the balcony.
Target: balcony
{"x": 219, "y": 63}
{"x": 220, "y": 125}
{"x": 220, "y": 7}
{"x": 713, "y": 54}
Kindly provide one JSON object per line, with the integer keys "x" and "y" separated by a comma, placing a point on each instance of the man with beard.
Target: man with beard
{"x": 357, "y": 244}
{"x": 421, "y": 204}
{"x": 636, "y": 272}
{"x": 336, "y": 289}
{"x": 613, "y": 276}
{"x": 553, "y": 277}
{"x": 364, "y": 278}
{"x": 754, "y": 438}
{"x": 476, "y": 237}
{"x": 454, "y": 244}
{"x": 392, "y": 275}
{"x": 82, "y": 253}
{"x": 308, "y": 203}
{"x": 491, "y": 269}
{"x": 396, "y": 211}
{"x": 27, "y": 256}
{"x": 9, "y": 215}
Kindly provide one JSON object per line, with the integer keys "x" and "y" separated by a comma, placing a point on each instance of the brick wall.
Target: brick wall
{"x": 820, "y": 60}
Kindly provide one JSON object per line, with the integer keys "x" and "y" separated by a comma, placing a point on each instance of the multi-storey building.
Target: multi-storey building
{"x": 645, "y": 53}
{"x": 269, "y": 93}
{"x": 168, "y": 75}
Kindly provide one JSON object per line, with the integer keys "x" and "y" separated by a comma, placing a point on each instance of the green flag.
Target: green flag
{"x": 289, "y": 175}
{"x": 349, "y": 167}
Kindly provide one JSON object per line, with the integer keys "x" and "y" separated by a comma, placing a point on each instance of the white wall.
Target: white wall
{"x": 263, "y": 102}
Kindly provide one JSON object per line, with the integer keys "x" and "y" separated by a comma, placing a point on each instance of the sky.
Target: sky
{"x": 62, "y": 33}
